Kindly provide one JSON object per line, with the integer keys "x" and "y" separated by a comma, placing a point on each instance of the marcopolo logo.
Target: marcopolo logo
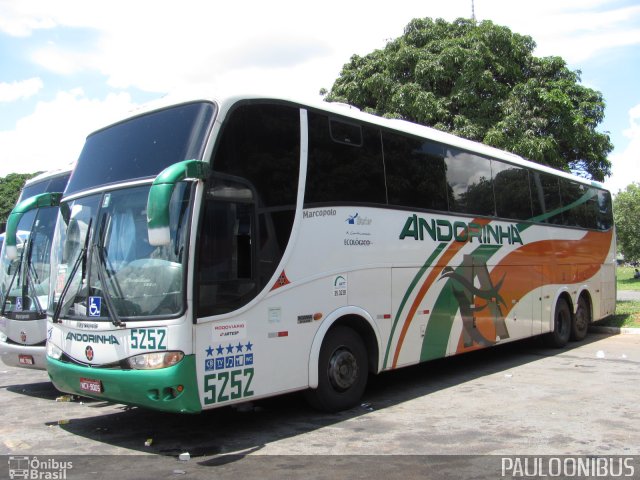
{"x": 325, "y": 212}
{"x": 441, "y": 230}
{"x": 93, "y": 338}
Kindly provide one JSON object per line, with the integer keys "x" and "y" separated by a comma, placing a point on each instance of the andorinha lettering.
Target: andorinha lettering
{"x": 444, "y": 231}
{"x": 93, "y": 338}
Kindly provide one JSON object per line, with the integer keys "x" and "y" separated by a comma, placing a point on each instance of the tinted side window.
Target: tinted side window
{"x": 604, "y": 216}
{"x": 545, "y": 192}
{"x": 511, "y": 187}
{"x": 341, "y": 171}
{"x": 571, "y": 194}
{"x": 581, "y": 204}
{"x": 470, "y": 189}
{"x": 588, "y": 210}
{"x": 261, "y": 143}
{"x": 249, "y": 205}
{"x": 415, "y": 172}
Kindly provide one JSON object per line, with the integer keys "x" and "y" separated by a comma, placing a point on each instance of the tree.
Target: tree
{"x": 10, "y": 187}
{"x": 482, "y": 82}
{"x": 626, "y": 213}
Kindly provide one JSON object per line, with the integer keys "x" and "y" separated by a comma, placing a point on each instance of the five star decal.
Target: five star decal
{"x": 220, "y": 349}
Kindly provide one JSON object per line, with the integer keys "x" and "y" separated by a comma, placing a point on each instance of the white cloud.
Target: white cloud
{"x": 626, "y": 164}
{"x": 20, "y": 19}
{"x": 282, "y": 45}
{"x": 575, "y": 30}
{"x": 157, "y": 45}
{"x": 60, "y": 61}
{"x": 10, "y": 92}
{"x": 53, "y": 135}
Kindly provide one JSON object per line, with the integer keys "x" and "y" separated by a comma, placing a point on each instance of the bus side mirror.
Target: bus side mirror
{"x": 51, "y": 199}
{"x": 160, "y": 197}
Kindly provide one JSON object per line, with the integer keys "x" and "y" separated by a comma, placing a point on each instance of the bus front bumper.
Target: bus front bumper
{"x": 25, "y": 356}
{"x": 172, "y": 389}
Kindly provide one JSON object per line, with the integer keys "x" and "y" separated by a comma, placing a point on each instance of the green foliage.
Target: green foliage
{"x": 482, "y": 82}
{"x": 10, "y": 187}
{"x": 626, "y": 213}
{"x": 625, "y": 279}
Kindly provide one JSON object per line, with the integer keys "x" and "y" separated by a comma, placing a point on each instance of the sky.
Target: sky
{"x": 68, "y": 67}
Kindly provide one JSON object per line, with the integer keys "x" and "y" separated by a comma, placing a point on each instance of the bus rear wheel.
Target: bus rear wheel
{"x": 342, "y": 371}
{"x": 581, "y": 320}
{"x": 562, "y": 324}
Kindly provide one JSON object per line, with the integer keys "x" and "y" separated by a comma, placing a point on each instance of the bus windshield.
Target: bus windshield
{"x": 24, "y": 281}
{"x": 105, "y": 268}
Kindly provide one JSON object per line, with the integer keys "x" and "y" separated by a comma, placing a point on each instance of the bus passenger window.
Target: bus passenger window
{"x": 250, "y": 204}
{"x": 545, "y": 192}
{"x": 470, "y": 189}
{"x": 415, "y": 172}
{"x": 341, "y": 171}
{"x": 511, "y": 187}
{"x": 605, "y": 214}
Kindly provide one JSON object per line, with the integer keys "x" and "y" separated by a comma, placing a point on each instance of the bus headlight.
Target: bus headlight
{"x": 153, "y": 361}
{"x": 53, "y": 351}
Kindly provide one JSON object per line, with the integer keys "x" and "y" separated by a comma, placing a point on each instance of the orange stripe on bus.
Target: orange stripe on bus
{"x": 442, "y": 262}
{"x": 577, "y": 260}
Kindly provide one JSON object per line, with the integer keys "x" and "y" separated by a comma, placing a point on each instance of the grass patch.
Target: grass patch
{"x": 627, "y": 315}
{"x": 626, "y": 280}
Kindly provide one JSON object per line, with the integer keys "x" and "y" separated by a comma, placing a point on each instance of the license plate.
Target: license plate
{"x": 90, "y": 385}
{"x": 26, "y": 360}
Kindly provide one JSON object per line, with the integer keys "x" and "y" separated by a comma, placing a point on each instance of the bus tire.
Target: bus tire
{"x": 581, "y": 320}
{"x": 342, "y": 371}
{"x": 562, "y": 323}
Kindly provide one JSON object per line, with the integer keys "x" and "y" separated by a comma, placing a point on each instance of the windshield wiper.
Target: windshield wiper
{"x": 31, "y": 285}
{"x": 102, "y": 276}
{"x": 32, "y": 278}
{"x": 67, "y": 285}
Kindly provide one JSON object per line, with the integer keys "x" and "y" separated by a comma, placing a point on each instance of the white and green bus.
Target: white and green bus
{"x": 25, "y": 268}
{"x": 216, "y": 251}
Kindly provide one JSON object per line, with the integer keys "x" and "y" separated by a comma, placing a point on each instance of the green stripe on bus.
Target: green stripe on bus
{"x": 545, "y": 216}
{"x": 435, "y": 254}
{"x": 436, "y": 337}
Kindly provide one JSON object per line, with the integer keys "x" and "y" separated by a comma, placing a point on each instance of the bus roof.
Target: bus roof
{"x": 226, "y": 101}
{"x": 50, "y": 174}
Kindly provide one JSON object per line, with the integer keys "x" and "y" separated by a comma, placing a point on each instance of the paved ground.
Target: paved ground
{"x": 517, "y": 399}
{"x": 629, "y": 295}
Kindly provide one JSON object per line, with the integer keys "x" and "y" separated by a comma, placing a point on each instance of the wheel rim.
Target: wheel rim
{"x": 343, "y": 369}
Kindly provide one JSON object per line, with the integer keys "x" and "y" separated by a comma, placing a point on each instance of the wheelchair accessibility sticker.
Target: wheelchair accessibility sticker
{"x": 95, "y": 304}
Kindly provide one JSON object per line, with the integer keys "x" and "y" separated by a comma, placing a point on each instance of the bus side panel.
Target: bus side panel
{"x": 371, "y": 290}
{"x": 608, "y": 292}
{"x": 263, "y": 350}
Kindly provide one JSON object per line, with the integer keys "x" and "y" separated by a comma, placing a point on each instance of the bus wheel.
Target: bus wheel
{"x": 342, "y": 371}
{"x": 562, "y": 323}
{"x": 581, "y": 320}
